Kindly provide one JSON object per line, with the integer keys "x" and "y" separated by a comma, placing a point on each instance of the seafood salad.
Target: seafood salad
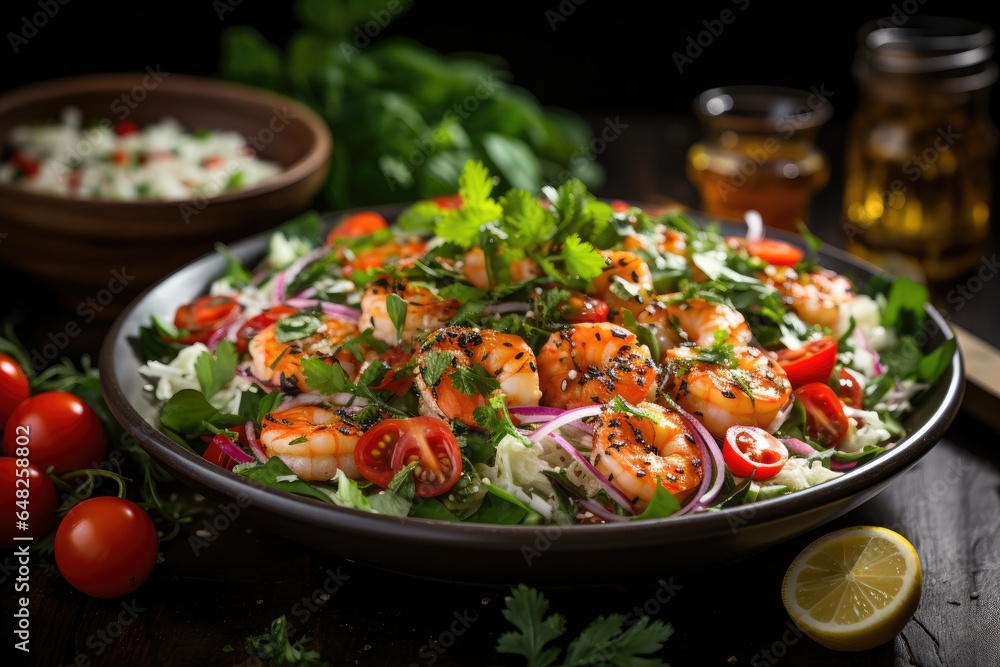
{"x": 538, "y": 358}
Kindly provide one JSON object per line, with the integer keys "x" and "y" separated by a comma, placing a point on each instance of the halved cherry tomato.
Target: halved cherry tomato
{"x": 255, "y": 325}
{"x": 204, "y": 316}
{"x": 580, "y": 307}
{"x": 435, "y": 448}
{"x": 775, "y": 252}
{"x": 813, "y": 362}
{"x": 751, "y": 450}
{"x": 390, "y": 445}
{"x": 445, "y": 202}
{"x": 849, "y": 389}
{"x": 826, "y": 422}
{"x": 618, "y": 206}
{"x": 358, "y": 224}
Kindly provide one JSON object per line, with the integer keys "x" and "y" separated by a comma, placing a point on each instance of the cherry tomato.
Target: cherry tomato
{"x": 125, "y": 127}
{"x": 749, "y": 449}
{"x": 14, "y": 387}
{"x": 29, "y": 496}
{"x": 392, "y": 444}
{"x": 27, "y": 166}
{"x": 619, "y": 206}
{"x": 775, "y": 252}
{"x": 849, "y": 389}
{"x": 826, "y": 422}
{"x": 358, "y": 224}
{"x": 106, "y": 546}
{"x": 255, "y": 325}
{"x": 432, "y": 445}
{"x": 60, "y": 430}
{"x": 583, "y": 308}
{"x": 204, "y": 316}
{"x": 373, "y": 258}
{"x": 446, "y": 202}
{"x": 813, "y": 362}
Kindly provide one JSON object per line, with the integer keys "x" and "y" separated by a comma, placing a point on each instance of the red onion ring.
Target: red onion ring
{"x": 229, "y": 448}
{"x": 254, "y": 443}
{"x": 511, "y": 307}
{"x": 711, "y": 480}
{"x": 845, "y": 465}
{"x": 284, "y": 278}
{"x": 340, "y": 311}
{"x": 565, "y": 418}
{"x": 598, "y": 510}
{"x": 611, "y": 490}
{"x": 799, "y": 447}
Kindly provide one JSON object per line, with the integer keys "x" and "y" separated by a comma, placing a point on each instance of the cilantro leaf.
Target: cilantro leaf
{"x": 326, "y": 378}
{"x": 276, "y": 647}
{"x": 474, "y": 380}
{"x": 494, "y": 418}
{"x": 461, "y": 226}
{"x": 214, "y": 373}
{"x": 605, "y": 641}
{"x": 419, "y": 218}
{"x": 525, "y": 609}
{"x": 581, "y": 259}
{"x": 525, "y": 215}
{"x": 435, "y": 364}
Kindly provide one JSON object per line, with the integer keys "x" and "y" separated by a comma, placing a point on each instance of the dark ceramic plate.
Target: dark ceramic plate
{"x": 505, "y": 555}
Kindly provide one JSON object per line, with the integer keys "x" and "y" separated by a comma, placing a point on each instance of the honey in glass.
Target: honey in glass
{"x": 758, "y": 152}
{"x": 921, "y": 146}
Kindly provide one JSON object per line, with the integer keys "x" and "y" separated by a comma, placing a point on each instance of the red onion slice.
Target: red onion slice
{"x": 612, "y": 490}
{"x": 284, "y": 278}
{"x": 511, "y": 307}
{"x": 842, "y": 465}
{"x": 254, "y": 443}
{"x": 567, "y": 417}
{"x": 798, "y": 446}
{"x": 229, "y": 448}
{"x": 711, "y": 480}
{"x": 598, "y": 510}
{"x": 340, "y": 311}
{"x": 534, "y": 414}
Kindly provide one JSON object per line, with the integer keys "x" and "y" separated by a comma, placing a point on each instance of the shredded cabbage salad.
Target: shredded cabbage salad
{"x": 532, "y": 359}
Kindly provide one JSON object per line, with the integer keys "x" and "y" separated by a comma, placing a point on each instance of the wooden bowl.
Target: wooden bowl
{"x": 112, "y": 250}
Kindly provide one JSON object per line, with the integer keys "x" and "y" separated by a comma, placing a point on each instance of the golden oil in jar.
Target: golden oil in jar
{"x": 758, "y": 152}
{"x": 921, "y": 147}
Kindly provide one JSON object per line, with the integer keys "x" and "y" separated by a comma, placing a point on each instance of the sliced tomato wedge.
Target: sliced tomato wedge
{"x": 773, "y": 251}
{"x": 392, "y": 444}
{"x": 826, "y": 422}
{"x": 356, "y": 225}
{"x": 204, "y": 316}
{"x": 255, "y": 325}
{"x": 813, "y": 362}
{"x": 25, "y": 164}
{"x": 125, "y": 127}
{"x": 849, "y": 389}
{"x": 396, "y": 358}
{"x": 214, "y": 454}
{"x": 749, "y": 450}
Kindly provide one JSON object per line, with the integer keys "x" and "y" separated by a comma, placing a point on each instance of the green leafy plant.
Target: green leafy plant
{"x": 405, "y": 119}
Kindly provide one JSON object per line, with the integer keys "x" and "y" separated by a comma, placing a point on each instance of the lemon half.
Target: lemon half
{"x": 854, "y": 589}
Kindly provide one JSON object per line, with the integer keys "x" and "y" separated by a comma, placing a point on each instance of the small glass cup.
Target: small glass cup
{"x": 758, "y": 152}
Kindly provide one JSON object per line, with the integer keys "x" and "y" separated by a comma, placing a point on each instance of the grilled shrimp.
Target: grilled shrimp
{"x": 586, "y": 364}
{"x": 506, "y": 357}
{"x": 474, "y": 269}
{"x": 752, "y": 393}
{"x": 815, "y": 297}
{"x": 694, "y": 321}
{"x": 313, "y": 442}
{"x": 637, "y": 453}
{"x": 281, "y": 363}
{"x": 425, "y": 310}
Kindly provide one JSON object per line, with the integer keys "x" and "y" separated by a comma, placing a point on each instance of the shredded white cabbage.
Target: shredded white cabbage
{"x": 282, "y": 251}
{"x": 519, "y": 470}
{"x": 873, "y": 430}
{"x": 179, "y": 374}
{"x": 799, "y": 473}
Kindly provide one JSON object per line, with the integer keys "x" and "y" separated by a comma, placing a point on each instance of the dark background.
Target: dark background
{"x": 604, "y": 57}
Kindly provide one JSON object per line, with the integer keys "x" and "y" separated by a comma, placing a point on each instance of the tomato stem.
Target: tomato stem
{"x": 90, "y": 474}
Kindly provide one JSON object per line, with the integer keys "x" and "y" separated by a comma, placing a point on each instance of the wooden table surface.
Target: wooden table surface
{"x": 206, "y": 598}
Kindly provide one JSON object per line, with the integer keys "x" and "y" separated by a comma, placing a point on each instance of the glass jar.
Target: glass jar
{"x": 921, "y": 146}
{"x": 758, "y": 152}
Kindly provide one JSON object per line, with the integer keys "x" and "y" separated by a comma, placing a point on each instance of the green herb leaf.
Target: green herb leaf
{"x": 296, "y": 327}
{"x": 396, "y": 306}
{"x": 474, "y": 380}
{"x": 277, "y": 475}
{"x": 935, "y": 363}
{"x": 904, "y": 308}
{"x": 214, "y": 372}
{"x": 235, "y": 272}
{"x": 276, "y": 647}
{"x": 326, "y": 378}
{"x": 435, "y": 364}
{"x": 662, "y": 505}
{"x": 582, "y": 260}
